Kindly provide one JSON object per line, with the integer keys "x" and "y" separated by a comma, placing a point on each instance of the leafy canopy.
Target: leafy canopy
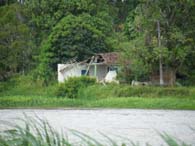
{"x": 177, "y": 33}
{"x": 15, "y": 44}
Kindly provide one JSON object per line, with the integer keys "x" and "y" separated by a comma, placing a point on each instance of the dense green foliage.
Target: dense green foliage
{"x": 36, "y": 35}
{"x": 74, "y": 37}
{"x": 176, "y": 34}
{"x": 71, "y": 86}
{"x": 15, "y": 44}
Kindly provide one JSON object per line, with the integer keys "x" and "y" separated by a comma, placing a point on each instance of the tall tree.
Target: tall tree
{"x": 15, "y": 44}
{"x": 69, "y": 28}
{"x": 74, "y": 36}
{"x": 45, "y": 14}
{"x": 177, "y": 33}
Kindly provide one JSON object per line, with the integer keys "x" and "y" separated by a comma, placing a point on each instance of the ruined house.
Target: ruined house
{"x": 103, "y": 67}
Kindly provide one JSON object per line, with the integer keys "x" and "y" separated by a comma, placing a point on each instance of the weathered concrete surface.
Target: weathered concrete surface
{"x": 136, "y": 125}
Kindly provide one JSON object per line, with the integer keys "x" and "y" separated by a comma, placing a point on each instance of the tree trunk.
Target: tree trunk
{"x": 173, "y": 77}
{"x": 160, "y": 59}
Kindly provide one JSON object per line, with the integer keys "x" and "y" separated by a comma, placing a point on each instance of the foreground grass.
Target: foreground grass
{"x": 122, "y": 102}
{"x": 37, "y": 132}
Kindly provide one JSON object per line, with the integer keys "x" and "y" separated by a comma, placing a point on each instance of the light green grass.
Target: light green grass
{"x": 122, "y": 102}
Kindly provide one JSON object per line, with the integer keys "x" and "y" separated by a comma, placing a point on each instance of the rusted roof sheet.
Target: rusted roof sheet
{"x": 110, "y": 58}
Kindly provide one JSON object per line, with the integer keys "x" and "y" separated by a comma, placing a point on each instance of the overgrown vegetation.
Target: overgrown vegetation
{"x": 84, "y": 92}
{"x": 71, "y": 87}
{"x": 99, "y": 91}
{"x": 161, "y": 31}
{"x": 37, "y": 132}
{"x": 36, "y": 35}
{"x": 26, "y": 86}
{"x": 86, "y": 87}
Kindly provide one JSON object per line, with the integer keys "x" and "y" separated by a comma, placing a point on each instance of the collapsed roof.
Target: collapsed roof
{"x": 107, "y": 58}
{"x": 111, "y": 58}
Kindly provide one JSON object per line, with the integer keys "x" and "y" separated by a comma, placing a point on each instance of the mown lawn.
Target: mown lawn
{"x": 111, "y": 102}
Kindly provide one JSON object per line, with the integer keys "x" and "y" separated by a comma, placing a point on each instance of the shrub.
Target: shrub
{"x": 96, "y": 92}
{"x": 71, "y": 86}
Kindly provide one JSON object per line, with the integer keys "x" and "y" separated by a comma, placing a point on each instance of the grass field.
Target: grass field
{"x": 23, "y": 93}
{"x": 122, "y": 102}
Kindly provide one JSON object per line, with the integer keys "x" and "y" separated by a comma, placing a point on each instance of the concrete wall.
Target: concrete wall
{"x": 102, "y": 70}
{"x": 75, "y": 71}
{"x": 70, "y": 71}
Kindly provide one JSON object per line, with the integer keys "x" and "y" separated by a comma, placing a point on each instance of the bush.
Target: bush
{"x": 71, "y": 86}
{"x": 189, "y": 80}
{"x": 96, "y": 92}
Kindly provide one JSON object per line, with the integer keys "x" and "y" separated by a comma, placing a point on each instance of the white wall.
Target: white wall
{"x": 72, "y": 71}
{"x": 102, "y": 70}
{"x": 75, "y": 71}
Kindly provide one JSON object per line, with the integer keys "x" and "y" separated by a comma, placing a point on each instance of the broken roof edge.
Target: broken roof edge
{"x": 109, "y": 58}
{"x": 71, "y": 65}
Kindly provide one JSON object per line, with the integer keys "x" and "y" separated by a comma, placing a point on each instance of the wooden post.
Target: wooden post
{"x": 95, "y": 70}
{"x": 92, "y": 60}
{"x": 160, "y": 59}
{"x": 95, "y": 67}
